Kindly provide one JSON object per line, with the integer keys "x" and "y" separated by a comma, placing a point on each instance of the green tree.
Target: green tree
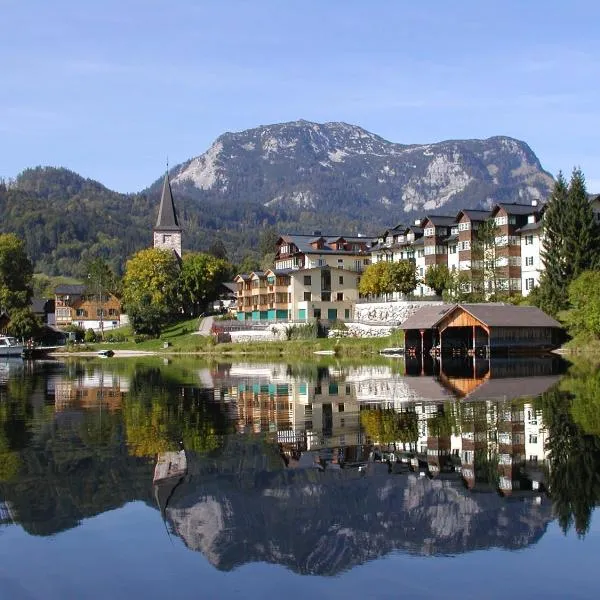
{"x": 151, "y": 285}
{"x": 485, "y": 265}
{"x": 387, "y": 277}
{"x": 249, "y": 263}
{"x": 571, "y": 242}
{"x": 438, "y": 278}
{"x": 459, "y": 287}
{"x": 24, "y": 324}
{"x": 218, "y": 249}
{"x": 16, "y": 273}
{"x": 584, "y": 298}
{"x": 200, "y": 278}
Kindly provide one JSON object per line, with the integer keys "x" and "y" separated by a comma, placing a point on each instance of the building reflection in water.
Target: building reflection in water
{"x": 318, "y": 468}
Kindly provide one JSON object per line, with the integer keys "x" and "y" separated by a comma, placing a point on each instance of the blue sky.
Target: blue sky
{"x": 109, "y": 89}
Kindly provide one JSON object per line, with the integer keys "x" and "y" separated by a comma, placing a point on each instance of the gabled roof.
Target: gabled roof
{"x": 474, "y": 215}
{"x": 167, "y": 216}
{"x": 440, "y": 220}
{"x": 516, "y": 209}
{"x": 530, "y": 227}
{"x": 427, "y": 316}
{"x": 509, "y": 315}
{"x": 490, "y": 314}
{"x": 303, "y": 243}
{"x": 72, "y": 289}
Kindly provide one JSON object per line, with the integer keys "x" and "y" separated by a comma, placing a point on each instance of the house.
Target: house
{"x": 480, "y": 327}
{"x": 84, "y": 307}
{"x": 44, "y": 310}
{"x": 321, "y": 292}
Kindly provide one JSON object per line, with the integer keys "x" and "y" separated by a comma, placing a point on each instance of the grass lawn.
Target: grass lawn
{"x": 180, "y": 339}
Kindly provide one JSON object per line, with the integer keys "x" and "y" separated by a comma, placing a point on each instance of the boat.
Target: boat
{"x": 105, "y": 353}
{"x": 392, "y": 351}
{"x": 325, "y": 352}
{"x": 10, "y": 346}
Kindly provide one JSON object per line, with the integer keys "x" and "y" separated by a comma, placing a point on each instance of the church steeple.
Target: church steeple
{"x": 167, "y": 232}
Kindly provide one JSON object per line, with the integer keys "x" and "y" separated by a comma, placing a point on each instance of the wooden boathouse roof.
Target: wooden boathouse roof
{"x": 488, "y": 314}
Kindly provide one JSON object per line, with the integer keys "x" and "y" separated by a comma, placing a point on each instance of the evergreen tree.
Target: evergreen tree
{"x": 552, "y": 296}
{"x": 582, "y": 239}
{"x": 571, "y": 241}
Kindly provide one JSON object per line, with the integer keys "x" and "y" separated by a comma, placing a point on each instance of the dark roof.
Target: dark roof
{"x": 451, "y": 238}
{"x": 510, "y": 388}
{"x": 74, "y": 289}
{"x": 302, "y": 242}
{"x": 229, "y": 285}
{"x": 508, "y": 315}
{"x": 493, "y": 315}
{"x": 441, "y": 220}
{"x": 475, "y": 215}
{"x": 517, "y": 209}
{"x": 167, "y": 216}
{"x": 427, "y": 317}
{"x": 530, "y": 227}
{"x": 38, "y": 305}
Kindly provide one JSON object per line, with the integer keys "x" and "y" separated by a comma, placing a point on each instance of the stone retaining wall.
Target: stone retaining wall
{"x": 389, "y": 313}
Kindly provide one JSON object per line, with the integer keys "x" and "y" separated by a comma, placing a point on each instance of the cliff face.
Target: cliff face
{"x": 331, "y": 167}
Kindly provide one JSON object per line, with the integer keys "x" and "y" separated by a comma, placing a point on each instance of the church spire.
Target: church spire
{"x": 167, "y": 216}
{"x": 167, "y": 232}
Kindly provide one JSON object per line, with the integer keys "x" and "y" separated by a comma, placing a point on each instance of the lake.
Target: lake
{"x": 148, "y": 478}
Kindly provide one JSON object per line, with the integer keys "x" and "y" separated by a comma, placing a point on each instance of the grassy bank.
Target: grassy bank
{"x": 179, "y": 339}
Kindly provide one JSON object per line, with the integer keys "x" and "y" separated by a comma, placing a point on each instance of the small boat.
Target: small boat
{"x": 392, "y": 351}
{"x": 325, "y": 352}
{"x": 10, "y": 346}
{"x": 105, "y": 353}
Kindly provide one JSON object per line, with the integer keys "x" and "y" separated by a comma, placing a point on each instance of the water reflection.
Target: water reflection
{"x": 318, "y": 467}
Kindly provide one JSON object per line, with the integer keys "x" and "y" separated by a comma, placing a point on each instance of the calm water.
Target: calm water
{"x": 316, "y": 480}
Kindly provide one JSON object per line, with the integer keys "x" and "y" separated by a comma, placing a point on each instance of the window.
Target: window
{"x": 317, "y": 313}
{"x": 528, "y": 261}
{"x": 421, "y": 271}
{"x": 529, "y": 240}
{"x": 429, "y": 231}
{"x": 466, "y": 245}
{"x": 340, "y": 261}
{"x": 321, "y": 262}
{"x": 307, "y": 296}
{"x": 529, "y": 283}
{"x": 501, "y": 221}
{"x": 325, "y": 296}
{"x": 464, "y": 226}
{"x": 341, "y": 280}
{"x": 80, "y": 312}
{"x": 166, "y": 239}
{"x": 452, "y": 249}
{"x": 339, "y": 296}
{"x": 307, "y": 280}
{"x": 533, "y": 439}
{"x": 341, "y": 407}
{"x": 346, "y": 313}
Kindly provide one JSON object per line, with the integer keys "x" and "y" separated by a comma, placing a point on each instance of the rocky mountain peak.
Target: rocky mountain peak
{"x": 303, "y": 165}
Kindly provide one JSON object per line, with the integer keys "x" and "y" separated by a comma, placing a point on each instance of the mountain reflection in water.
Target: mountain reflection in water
{"x": 319, "y": 467}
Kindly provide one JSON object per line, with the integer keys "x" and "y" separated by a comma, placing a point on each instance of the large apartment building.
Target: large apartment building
{"x": 314, "y": 277}
{"x": 321, "y": 292}
{"x": 513, "y": 255}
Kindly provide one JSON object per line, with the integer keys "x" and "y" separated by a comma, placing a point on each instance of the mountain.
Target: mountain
{"x": 336, "y": 169}
{"x": 295, "y": 177}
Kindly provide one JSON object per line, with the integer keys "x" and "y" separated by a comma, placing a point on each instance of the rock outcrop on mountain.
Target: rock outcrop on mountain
{"x": 337, "y": 167}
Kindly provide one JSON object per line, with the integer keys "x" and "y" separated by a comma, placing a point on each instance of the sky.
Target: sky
{"x": 112, "y": 89}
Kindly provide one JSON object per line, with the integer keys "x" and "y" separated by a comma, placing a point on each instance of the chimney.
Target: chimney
{"x": 534, "y": 203}
{"x": 418, "y": 222}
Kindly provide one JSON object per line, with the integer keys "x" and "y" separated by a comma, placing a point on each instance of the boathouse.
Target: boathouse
{"x": 480, "y": 329}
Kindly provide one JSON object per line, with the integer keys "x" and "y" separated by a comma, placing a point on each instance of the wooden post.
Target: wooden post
{"x": 474, "y": 333}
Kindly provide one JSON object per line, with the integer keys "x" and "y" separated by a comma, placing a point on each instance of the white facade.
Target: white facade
{"x": 531, "y": 262}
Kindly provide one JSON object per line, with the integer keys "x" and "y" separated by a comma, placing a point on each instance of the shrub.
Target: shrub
{"x": 90, "y": 336}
